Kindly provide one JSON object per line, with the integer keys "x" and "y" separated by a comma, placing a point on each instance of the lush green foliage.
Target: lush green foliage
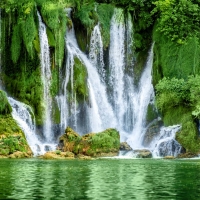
{"x": 178, "y": 19}
{"x": 178, "y": 101}
{"x": 5, "y": 107}
{"x": 175, "y": 60}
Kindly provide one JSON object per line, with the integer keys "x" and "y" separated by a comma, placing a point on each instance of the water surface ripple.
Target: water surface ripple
{"x": 100, "y": 179}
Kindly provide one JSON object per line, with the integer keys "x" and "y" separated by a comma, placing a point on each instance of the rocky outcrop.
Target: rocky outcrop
{"x": 124, "y": 146}
{"x": 152, "y": 132}
{"x": 103, "y": 143}
{"x": 143, "y": 153}
{"x": 58, "y": 155}
{"x": 13, "y": 143}
{"x": 187, "y": 155}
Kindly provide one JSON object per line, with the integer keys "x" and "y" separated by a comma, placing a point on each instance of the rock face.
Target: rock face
{"x": 124, "y": 146}
{"x": 153, "y": 131}
{"x": 143, "y": 153}
{"x": 91, "y": 144}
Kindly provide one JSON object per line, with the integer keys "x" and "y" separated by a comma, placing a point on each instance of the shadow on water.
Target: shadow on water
{"x": 100, "y": 179}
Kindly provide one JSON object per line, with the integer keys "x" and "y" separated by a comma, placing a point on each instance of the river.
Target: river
{"x": 100, "y": 179}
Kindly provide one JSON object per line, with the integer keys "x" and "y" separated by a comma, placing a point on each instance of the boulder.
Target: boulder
{"x": 169, "y": 157}
{"x": 92, "y": 144}
{"x": 153, "y": 130}
{"x": 187, "y": 155}
{"x": 19, "y": 154}
{"x": 143, "y": 153}
{"x": 58, "y": 155}
{"x": 124, "y": 146}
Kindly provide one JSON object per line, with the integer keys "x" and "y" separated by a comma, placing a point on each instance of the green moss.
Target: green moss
{"x": 55, "y": 112}
{"x": 12, "y": 138}
{"x": 80, "y": 81}
{"x": 51, "y": 38}
{"x": 91, "y": 144}
{"x": 54, "y": 89}
{"x": 105, "y": 13}
{"x": 5, "y": 107}
{"x": 151, "y": 113}
{"x": 141, "y": 59}
{"x": 173, "y": 59}
{"x": 188, "y": 136}
{"x": 105, "y": 141}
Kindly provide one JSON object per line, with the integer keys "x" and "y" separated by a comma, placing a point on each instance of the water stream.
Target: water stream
{"x": 46, "y": 79}
{"x": 24, "y": 116}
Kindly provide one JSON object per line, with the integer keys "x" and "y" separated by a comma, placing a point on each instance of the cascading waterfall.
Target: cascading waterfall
{"x": 114, "y": 101}
{"x": 165, "y": 144}
{"x": 129, "y": 101}
{"x": 98, "y": 114}
{"x": 24, "y": 116}
{"x": 141, "y": 100}
{"x": 46, "y": 78}
{"x": 117, "y": 64}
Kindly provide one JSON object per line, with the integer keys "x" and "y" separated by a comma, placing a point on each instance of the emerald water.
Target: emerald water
{"x": 100, "y": 179}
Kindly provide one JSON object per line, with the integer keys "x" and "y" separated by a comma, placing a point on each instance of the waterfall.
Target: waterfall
{"x": 24, "y": 117}
{"x": 46, "y": 79}
{"x": 141, "y": 100}
{"x": 128, "y": 100}
{"x": 96, "y": 51}
{"x": 165, "y": 144}
{"x": 117, "y": 64}
{"x": 98, "y": 112}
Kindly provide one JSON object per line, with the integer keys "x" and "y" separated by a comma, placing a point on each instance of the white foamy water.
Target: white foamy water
{"x": 165, "y": 144}
{"x": 24, "y": 117}
{"x": 46, "y": 79}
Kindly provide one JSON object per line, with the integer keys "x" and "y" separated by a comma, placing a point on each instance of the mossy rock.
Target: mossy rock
{"x": 90, "y": 144}
{"x": 12, "y": 139}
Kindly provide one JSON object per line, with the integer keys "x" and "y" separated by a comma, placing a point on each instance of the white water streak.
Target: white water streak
{"x": 141, "y": 101}
{"x": 46, "y": 78}
{"x": 117, "y": 63}
{"x": 96, "y": 51}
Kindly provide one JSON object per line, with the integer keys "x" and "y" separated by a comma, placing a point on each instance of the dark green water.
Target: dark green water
{"x": 100, "y": 179}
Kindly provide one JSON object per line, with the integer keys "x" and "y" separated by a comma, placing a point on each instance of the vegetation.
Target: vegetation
{"x": 178, "y": 101}
{"x": 90, "y": 144}
{"x": 174, "y": 25}
{"x": 12, "y": 139}
{"x": 5, "y": 107}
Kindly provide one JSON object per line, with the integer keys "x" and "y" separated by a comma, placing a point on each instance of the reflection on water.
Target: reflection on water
{"x": 100, "y": 179}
